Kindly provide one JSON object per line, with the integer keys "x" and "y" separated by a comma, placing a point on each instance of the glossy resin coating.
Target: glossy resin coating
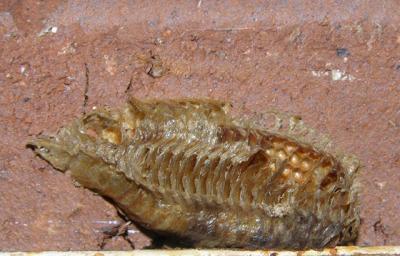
{"x": 187, "y": 169}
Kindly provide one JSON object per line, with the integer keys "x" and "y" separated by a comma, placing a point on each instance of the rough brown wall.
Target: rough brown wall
{"x": 61, "y": 58}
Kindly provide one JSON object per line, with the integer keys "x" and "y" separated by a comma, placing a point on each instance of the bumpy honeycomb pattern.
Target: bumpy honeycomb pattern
{"x": 186, "y": 169}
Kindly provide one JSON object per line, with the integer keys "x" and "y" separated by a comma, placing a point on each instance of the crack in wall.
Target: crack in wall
{"x": 379, "y": 227}
{"x": 128, "y": 88}
{"x": 85, "y": 93}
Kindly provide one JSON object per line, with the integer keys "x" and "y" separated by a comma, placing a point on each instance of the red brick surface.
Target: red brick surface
{"x": 259, "y": 55}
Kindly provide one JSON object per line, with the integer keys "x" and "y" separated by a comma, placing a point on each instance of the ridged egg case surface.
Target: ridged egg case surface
{"x": 187, "y": 169}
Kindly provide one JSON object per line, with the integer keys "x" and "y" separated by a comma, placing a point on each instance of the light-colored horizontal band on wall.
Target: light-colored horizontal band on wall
{"x": 341, "y": 250}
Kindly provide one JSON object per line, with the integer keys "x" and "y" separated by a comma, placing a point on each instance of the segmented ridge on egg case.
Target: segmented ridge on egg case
{"x": 187, "y": 169}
